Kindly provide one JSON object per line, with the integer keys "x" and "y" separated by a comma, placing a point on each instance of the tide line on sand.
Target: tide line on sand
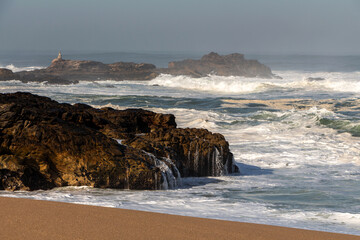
{"x": 37, "y": 219}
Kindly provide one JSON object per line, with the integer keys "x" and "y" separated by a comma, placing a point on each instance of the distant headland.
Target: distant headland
{"x": 63, "y": 71}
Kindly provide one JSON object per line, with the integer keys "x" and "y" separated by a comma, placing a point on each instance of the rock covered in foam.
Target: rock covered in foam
{"x": 45, "y": 144}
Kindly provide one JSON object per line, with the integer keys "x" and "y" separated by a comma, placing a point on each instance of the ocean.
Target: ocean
{"x": 300, "y": 167}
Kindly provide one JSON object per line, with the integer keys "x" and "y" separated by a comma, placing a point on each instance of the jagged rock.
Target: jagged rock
{"x": 195, "y": 152}
{"x": 228, "y": 65}
{"x": 45, "y": 144}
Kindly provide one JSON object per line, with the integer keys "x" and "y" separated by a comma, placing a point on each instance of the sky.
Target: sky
{"x": 248, "y": 26}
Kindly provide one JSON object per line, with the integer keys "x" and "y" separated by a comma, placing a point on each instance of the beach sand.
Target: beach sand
{"x": 34, "y": 219}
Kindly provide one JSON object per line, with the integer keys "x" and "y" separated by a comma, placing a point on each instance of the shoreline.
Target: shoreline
{"x": 39, "y": 219}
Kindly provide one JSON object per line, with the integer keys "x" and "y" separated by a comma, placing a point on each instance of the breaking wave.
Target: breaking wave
{"x": 342, "y": 82}
{"x": 13, "y": 68}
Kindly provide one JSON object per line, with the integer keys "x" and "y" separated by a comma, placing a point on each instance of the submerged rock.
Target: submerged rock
{"x": 45, "y": 144}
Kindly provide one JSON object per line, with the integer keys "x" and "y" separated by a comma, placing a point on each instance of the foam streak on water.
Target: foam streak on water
{"x": 299, "y": 168}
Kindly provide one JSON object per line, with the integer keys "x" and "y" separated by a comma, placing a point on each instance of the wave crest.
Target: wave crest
{"x": 335, "y": 82}
{"x": 13, "y": 68}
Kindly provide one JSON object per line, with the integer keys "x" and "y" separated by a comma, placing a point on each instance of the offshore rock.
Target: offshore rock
{"x": 92, "y": 70}
{"x": 45, "y": 144}
{"x": 33, "y": 76}
{"x": 7, "y": 74}
{"x": 71, "y": 71}
{"x": 227, "y": 65}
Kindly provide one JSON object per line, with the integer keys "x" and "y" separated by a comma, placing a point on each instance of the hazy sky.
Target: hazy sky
{"x": 249, "y": 26}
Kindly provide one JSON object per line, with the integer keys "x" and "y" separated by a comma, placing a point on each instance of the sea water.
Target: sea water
{"x": 299, "y": 168}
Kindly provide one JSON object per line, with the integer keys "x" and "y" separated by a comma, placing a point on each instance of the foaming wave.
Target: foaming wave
{"x": 283, "y": 139}
{"x": 109, "y": 105}
{"x": 210, "y": 83}
{"x": 329, "y": 217}
{"x": 335, "y": 82}
{"x": 195, "y": 201}
{"x": 13, "y": 68}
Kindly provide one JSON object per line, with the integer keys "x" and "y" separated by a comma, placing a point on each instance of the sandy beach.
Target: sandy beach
{"x": 34, "y": 219}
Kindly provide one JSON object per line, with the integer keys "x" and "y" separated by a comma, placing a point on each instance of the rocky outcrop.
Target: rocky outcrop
{"x": 42, "y": 76}
{"x": 6, "y": 74}
{"x": 228, "y": 65}
{"x": 196, "y": 152}
{"x": 33, "y": 76}
{"x": 92, "y": 70}
{"x": 71, "y": 71}
{"x": 45, "y": 144}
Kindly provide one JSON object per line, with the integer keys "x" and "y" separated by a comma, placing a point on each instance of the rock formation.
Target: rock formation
{"x": 92, "y": 70}
{"x": 6, "y": 74}
{"x": 228, "y": 65}
{"x": 71, "y": 71}
{"x": 45, "y": 144}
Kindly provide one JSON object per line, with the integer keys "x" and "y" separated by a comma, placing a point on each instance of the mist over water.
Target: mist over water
{"x": 299, "y": 167}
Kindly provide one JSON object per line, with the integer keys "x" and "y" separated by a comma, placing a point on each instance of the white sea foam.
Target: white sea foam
{"x": 210, "y": 83}
{"x": 205, "y": 201}
{"x": 283, "y": 139}
{"x": 295, "y": 171}
{"x": 13, "y": 68}
{"x": 335, "y": 81}
{"x": 292, "y": 84}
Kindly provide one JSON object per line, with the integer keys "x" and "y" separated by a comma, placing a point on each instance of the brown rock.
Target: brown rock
{"x": 195, "y": 152}
{"x": 44, "y": 144}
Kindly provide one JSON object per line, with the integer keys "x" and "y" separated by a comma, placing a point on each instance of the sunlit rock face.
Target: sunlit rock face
{"x": 45, "y": 144}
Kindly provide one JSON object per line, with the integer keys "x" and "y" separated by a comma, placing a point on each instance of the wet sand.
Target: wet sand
{"x": 34, "y": 219}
